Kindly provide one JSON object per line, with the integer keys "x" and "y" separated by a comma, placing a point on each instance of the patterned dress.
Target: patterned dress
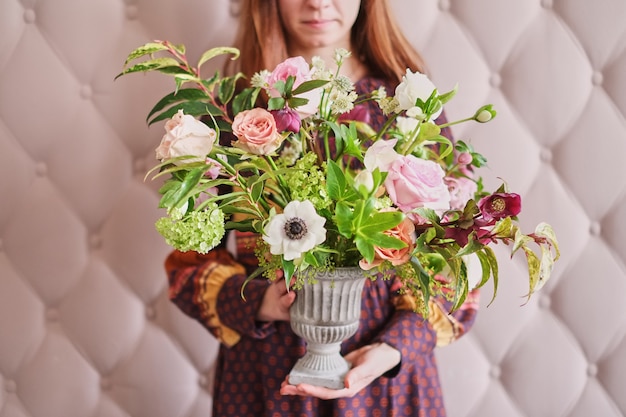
{"x": 256, "y": 357}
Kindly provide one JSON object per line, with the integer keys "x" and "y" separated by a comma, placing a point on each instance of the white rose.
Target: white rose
{"x": 414, "y": 85}
{"x": 186, "y": 136}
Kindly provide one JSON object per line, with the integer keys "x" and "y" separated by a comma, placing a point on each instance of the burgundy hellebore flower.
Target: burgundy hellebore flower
{"x": 287, "y": 120}
{"x": 500, "y": 205}
{"x": 359, "y": 113}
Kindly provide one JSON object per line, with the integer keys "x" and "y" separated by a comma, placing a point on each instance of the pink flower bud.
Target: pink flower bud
{"x": 465, "y": 158}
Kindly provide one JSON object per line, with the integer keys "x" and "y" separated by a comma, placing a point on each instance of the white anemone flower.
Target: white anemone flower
{"x": 297, "y": 230}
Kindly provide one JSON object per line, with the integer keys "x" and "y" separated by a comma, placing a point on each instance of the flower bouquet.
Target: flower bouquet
{"x": 323, "y": 190}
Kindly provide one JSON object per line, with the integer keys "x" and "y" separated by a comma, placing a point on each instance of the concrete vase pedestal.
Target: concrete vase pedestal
{"x": 325, "y": 314}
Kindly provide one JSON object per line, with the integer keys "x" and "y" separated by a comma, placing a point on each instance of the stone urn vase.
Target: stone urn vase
{"x": 324, "y": 314}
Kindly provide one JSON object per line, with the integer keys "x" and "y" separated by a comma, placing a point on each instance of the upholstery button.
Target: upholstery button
{"x": 597, "y": 78}
{"x": 203, "y": 381}
{"x": 495, "y": 80}
{"x": 105, "y": 383}
{"x": 546, "y": 4}
{"x": 444, "y": 5}
{"x": 132, "y": 12}
{"x": 595, "y": 229}
{"x": 139, "y": 166}
{"x": 592, "y": 369}
{"x": 95, "y": 241}
{"x": 52, "y": 314}
{"x": 10, "y": 386}
{"x": 86, "y": 92}
{"x": 545, "y": 302}
{"x": 29, "y": 16}
{"x": 495, "y": 372}
{"x": 41, "y": 169}
{"x": 546, "y": 155}
{"x": 150, "y": 313}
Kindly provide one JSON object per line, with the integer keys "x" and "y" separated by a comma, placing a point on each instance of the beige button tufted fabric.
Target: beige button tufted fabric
{"x": 85, "y": 326}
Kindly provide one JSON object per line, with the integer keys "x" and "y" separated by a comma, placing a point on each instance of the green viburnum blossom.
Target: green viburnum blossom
{"x": 307, "y": 181}
{"x": 199, "y": 231}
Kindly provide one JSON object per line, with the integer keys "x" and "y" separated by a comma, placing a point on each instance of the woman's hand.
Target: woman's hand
{"x": 368, "y": 363}
{"x": 276, "y": 301}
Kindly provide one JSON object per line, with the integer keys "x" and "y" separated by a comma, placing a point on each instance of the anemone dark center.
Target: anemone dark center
{"x": 295, "y": 228}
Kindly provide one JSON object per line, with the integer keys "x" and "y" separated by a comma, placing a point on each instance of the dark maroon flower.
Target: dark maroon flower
{"x": 500, "y": 205}
{"x": 359, "y": 113}
{"x": 287, "y": 120}
{"x": 461, "y": 235}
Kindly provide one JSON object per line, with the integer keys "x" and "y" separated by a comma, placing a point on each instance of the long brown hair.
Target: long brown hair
{"x": 383, "y": 49}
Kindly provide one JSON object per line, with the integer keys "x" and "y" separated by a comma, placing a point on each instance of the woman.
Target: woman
{"x": 394, "y": 370}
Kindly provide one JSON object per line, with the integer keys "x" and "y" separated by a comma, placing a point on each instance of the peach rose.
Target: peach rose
{"x": 256, "y": 131}
{"x": 186, "y": 136}
{"x": 405, "y": 231}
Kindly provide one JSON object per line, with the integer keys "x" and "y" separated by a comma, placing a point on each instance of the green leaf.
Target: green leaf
{"x": 193, "y": 108}
{"x": 186, "y": 94}
{"x": 256, "y": 189}
{"x": 245, "y": 100}
{"x": 180, "y": 194}
{"x": 343, "y": 219}
{"x": 146, "y": 49}
{"x": 294, "y": 102}
{"x": 365, "y": 247}
{"x": 490, "y": 257}
{"x": 227, "y": 88}
{"x": 150, "y": 65}
{"x": 275, "y": 103}
{"x": 288, "y": 269}
{"x": 380, "y": 222}
{"x": 445, "y": 97}
{"x": 335, "y": 181}
{"x": 382, "y": 240}
{"x": 423, "y": 277}
{"x": 213, "y": 52}
{"x": 308, "y": 86}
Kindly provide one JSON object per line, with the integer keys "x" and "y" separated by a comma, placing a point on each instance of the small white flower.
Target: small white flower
{"x": 260, "y": 78}
{"x": 406, "y": 125}
{"x": 297, "y": 230}
{"x": 364, "y": 179}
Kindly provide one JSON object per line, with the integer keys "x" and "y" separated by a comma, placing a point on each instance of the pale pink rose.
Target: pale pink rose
{"x": 256, "y": 131}
{"x": 186, "y": 136}
{"x": 461, "y": 191}
{"x": 380, "y": 155}
{"x": 405, "y": 231}
{"x": 413, "y": 182}
{"x": 300, "y": 69}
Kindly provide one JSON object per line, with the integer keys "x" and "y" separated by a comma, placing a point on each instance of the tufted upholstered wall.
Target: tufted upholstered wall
{"x": 85, "y": 327}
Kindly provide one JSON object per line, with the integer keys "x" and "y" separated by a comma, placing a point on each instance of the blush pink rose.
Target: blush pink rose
{"x": 461, "y": 191}
{"x": 256, "y": 132}
{"x": 405, "y": 231}
{"x": 413, "y": 182}
{"x": 380, "y": 155}
{"x": 296, "y": 67}
{"x": 186, "y": 136}
{"x": 300, "y": 69}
